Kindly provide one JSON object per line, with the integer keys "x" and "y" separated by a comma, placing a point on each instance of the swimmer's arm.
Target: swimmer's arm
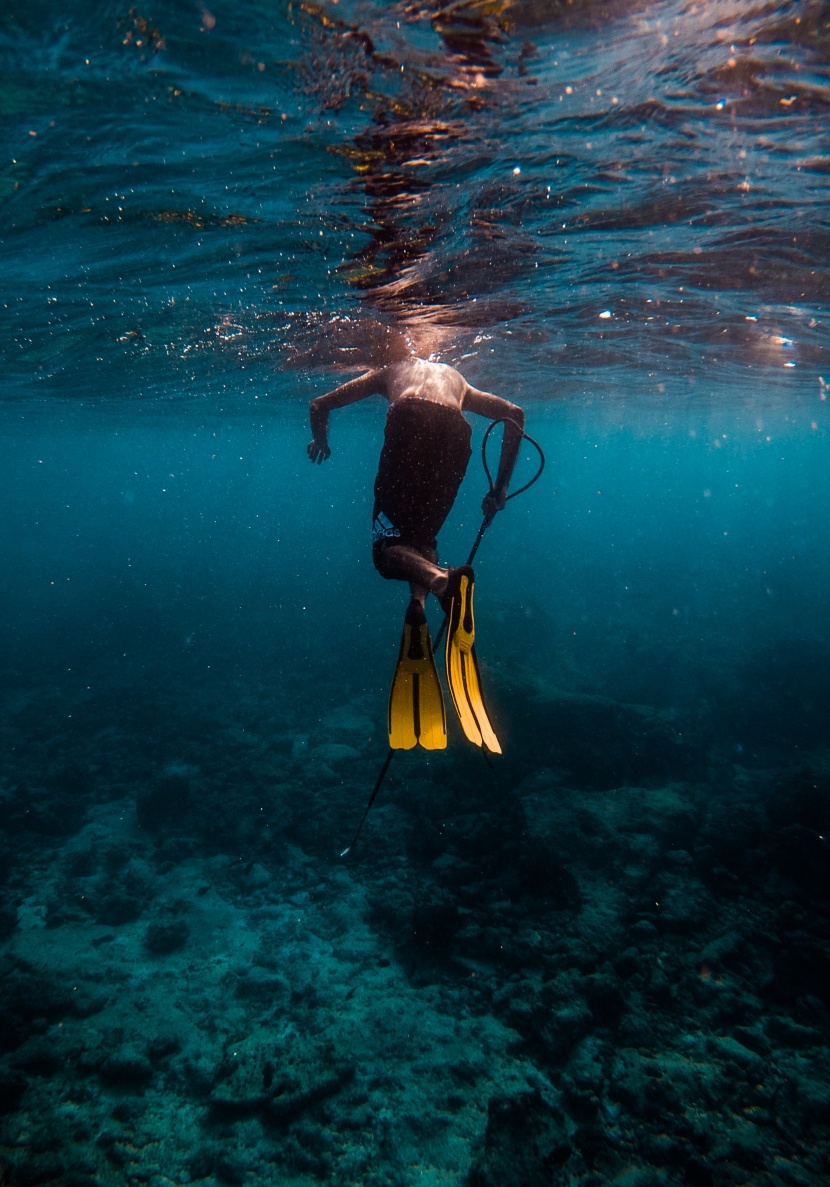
{"x": 496, "y": 408}
{"x": 372, "y": 383}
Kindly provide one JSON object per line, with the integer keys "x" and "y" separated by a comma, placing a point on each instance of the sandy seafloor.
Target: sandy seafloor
{"x": 525, "y": 984}
{"x": 602, "y": 960}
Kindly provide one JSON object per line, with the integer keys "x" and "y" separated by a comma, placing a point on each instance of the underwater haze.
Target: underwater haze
{"x": 600, "y": 958}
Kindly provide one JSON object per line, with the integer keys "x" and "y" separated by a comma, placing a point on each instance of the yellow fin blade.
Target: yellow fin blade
{"x": 462, "y": 670}
{"x": 416, "y": 704}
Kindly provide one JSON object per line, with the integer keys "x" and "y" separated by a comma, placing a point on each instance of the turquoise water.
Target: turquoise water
{"x": 603, "y": 958}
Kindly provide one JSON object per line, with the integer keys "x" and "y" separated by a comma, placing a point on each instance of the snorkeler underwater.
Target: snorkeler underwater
{"x": 361, "y": 822}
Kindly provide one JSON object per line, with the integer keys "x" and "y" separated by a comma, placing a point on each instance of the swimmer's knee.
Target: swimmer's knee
{"x": 381, "y": 562}
{"x": 395, "y": 561}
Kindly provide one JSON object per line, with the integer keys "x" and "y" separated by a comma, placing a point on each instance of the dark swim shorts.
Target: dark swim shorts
{"x": 424, "y": 458}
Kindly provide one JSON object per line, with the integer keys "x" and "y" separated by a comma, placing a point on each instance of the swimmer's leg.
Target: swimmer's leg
{"x": 403, "y": 562}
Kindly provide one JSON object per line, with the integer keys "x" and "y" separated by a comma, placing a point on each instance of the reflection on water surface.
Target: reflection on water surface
{"x": 638, "y": 188}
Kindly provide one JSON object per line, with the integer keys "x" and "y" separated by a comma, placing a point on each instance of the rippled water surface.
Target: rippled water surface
{"x": 592, "y": 197}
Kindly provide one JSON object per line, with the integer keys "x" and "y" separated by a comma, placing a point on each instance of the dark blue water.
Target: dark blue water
{"x": 603, "y": 960}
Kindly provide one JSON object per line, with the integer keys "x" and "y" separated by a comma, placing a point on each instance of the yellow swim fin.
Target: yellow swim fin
{"x": 416, "y": 703}
{"x": 462, "y": 666}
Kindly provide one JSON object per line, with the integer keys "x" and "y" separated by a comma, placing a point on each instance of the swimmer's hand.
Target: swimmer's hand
{"x": 493, "y": 501}
{"x": 318, "y": 451}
